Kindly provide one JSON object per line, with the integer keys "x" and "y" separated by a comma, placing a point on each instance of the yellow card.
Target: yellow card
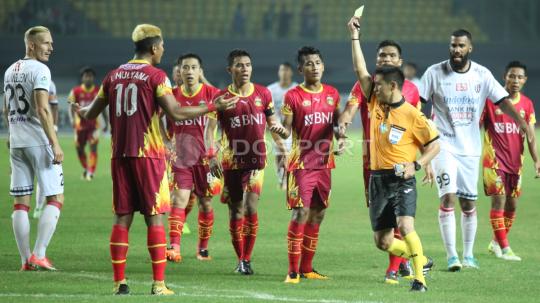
{"x": 358, "y": 12}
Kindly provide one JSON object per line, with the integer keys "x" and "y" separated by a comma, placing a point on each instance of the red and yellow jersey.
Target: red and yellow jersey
{"x": 503, "y": 143}
{"x": 312, "y": 127}
{"x": 131, "y": 91}
{"x": 83, "y": 96}
{"x": 188, "y": 136}
{"x": 356, "y": 97}
{"x": 243, "y": 128}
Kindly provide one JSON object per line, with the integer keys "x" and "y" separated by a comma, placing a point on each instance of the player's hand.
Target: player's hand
{"x": 280, "y": 131}
{"x": 429, "y": 177}
{"x": 215, "y": 167}
{"x": 409, "y": 171}
{"x": 354, "y": 27}
{"x": 341, "y": 144}
{"x": 537, "y": 169}
{"x": 58, "y": 154}
{"x": 341, "y": 129}
{"x": 224, "y": 104}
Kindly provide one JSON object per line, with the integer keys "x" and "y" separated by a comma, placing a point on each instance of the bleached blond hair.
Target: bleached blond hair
{"x": 34, "y": 31}
{"x": 143, "y": 31}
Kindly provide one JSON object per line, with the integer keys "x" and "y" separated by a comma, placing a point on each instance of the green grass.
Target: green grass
{"x": 346, "y": 251}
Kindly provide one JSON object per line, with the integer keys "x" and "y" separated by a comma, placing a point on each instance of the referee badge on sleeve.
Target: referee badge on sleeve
{"x": 396, "y": 132}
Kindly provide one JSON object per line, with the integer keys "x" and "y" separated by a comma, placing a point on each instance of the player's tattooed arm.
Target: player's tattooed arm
{"x": 211, "y": 148}
{"x": 359, "y": 62}
{"x": 277, "y": 128}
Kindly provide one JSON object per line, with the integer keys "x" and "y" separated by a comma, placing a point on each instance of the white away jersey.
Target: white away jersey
{"x": 20, "y": 81}
{"x": 458, "y": 101}
{"x": 278, "y": 94}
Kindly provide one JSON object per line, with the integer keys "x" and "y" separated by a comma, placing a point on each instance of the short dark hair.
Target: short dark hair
{"x": 386, "y": 43}
{"x": 287, "y": 64}
{"x": 391, "y": 73}
{"x": 306, "y": 51}
{"x": 235, "y": 53}
{"x": 515, "y": 64}
{"x": 86, "y": 70}
{"x": 462, "y": 33}
{"x": 187, "y": 56}
{"x": 144, "y": 46}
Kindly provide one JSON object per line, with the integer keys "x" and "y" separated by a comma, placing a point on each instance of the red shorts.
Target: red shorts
{"x": 197, "y": 178}
{"x": 88, "y": 135}
{"x": 306, "y": 187}
{"x": 498, "y": 182}
{"x": 140, "y": 184}
{"x": 240, "y": 181}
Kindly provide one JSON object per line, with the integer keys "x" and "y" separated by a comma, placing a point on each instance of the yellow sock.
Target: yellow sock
{"x": 417, "y": 255}
{"x": 399, "y": 248}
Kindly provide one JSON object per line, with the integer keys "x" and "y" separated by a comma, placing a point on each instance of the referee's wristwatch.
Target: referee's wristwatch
{"x": 417, "y": 166}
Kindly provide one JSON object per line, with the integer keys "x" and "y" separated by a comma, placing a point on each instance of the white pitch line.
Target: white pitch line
{"x": 206, "y": 292}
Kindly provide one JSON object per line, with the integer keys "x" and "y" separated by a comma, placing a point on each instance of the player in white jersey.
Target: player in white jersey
{"x": 278, "y": 90}
{"x": 34, "y": 147}
{"x": 458, "y": 88}
{"x": 53, "y": 103}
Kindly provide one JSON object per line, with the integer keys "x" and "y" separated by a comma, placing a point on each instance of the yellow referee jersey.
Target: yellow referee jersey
{"x": 397, "y": 132}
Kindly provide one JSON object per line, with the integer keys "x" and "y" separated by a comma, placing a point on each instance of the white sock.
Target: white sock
{"x": 40, "y": 198}
{"x": 447, "y": 225}
{"x": 469, "y": 224}
{"x": 46, "y": 227}
{"x": 21, "y": 229}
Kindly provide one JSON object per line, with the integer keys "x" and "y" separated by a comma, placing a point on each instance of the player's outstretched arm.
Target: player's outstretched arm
{"x": 178, "y": 113}
{"x": 359, "y": 62}
{"x": 45, "y": 117}
{"x": 346, "y": 117}
{"x": 276, "y": 128}
{"x": 93, "y": 110}
{"x": 508, "y": 108}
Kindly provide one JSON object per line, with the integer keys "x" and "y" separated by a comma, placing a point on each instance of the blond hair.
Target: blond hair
{"x": 143, "y": 31}
{"x": 34, "y": 31}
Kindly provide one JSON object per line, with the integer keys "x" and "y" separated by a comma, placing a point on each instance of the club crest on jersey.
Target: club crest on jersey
{"x": 522, "y": 113}
{"x": 498, "y": 111}
{"x": 258, "y": 101}
{"x": 477, "y": 88}
{"x": 306, "y": 103}
{"x": 202, "y": 103}
{"x": 330, "y": 100}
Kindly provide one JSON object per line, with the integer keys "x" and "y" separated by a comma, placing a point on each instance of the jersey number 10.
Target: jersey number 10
{"x": 129, "y": 96}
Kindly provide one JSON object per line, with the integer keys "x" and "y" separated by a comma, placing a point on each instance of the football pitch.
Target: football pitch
{"x": 346, "y": 253}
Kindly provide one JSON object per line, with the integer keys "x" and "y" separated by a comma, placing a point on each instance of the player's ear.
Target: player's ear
{"x": 229, "y": 70}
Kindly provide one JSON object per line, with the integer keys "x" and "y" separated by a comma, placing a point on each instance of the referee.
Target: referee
{"x": 398, "y": 131}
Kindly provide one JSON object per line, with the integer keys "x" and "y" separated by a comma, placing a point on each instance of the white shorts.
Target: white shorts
{"x": 27, "y": 162}
{"x": 456, "y": 174}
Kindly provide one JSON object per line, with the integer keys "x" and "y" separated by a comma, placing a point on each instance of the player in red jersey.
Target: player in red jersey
{"x": 86, "y": 131}
{"x": 243, "y": 153}
{"x": 388, "y": 54}
{"x": 135, "y": 92}
{"x": 310, "y": 112}
{"x": 189, "y": 166}
{"x": 502, "y": 158}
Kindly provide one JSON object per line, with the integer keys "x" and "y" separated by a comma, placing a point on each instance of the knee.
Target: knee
{"x": 300, "y": 215}
{"x": 383, "y": 242}
{"x": 236, "y": 213}
{"x": 448, "y": 201}
{"x": 205, "y": 205}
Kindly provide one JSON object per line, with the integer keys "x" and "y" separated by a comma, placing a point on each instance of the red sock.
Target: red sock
{"x": 294, "y": 244}
{"x": 157, "y": 247}
{"x": 235, "y": 228}
{"x": 497, "y": 224}
{"x": 191, "y": 202}
{"x": 92, "y": 160}
{"x": 119, "y": 247}
{"x": 206, "y": 223}
{"x": 250, "y": 228}
{"x": 509, "y": 217}
{"x": 177, "y": 217}
{"x": 309, "y": 246}
{"x": 394, "y": 261}
{"x": 82, "y": 157}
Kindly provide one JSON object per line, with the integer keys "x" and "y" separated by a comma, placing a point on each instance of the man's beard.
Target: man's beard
{"x": 459, "y": 65}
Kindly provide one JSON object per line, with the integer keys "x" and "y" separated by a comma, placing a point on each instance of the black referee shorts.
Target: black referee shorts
{"x": 390, "y": 197}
